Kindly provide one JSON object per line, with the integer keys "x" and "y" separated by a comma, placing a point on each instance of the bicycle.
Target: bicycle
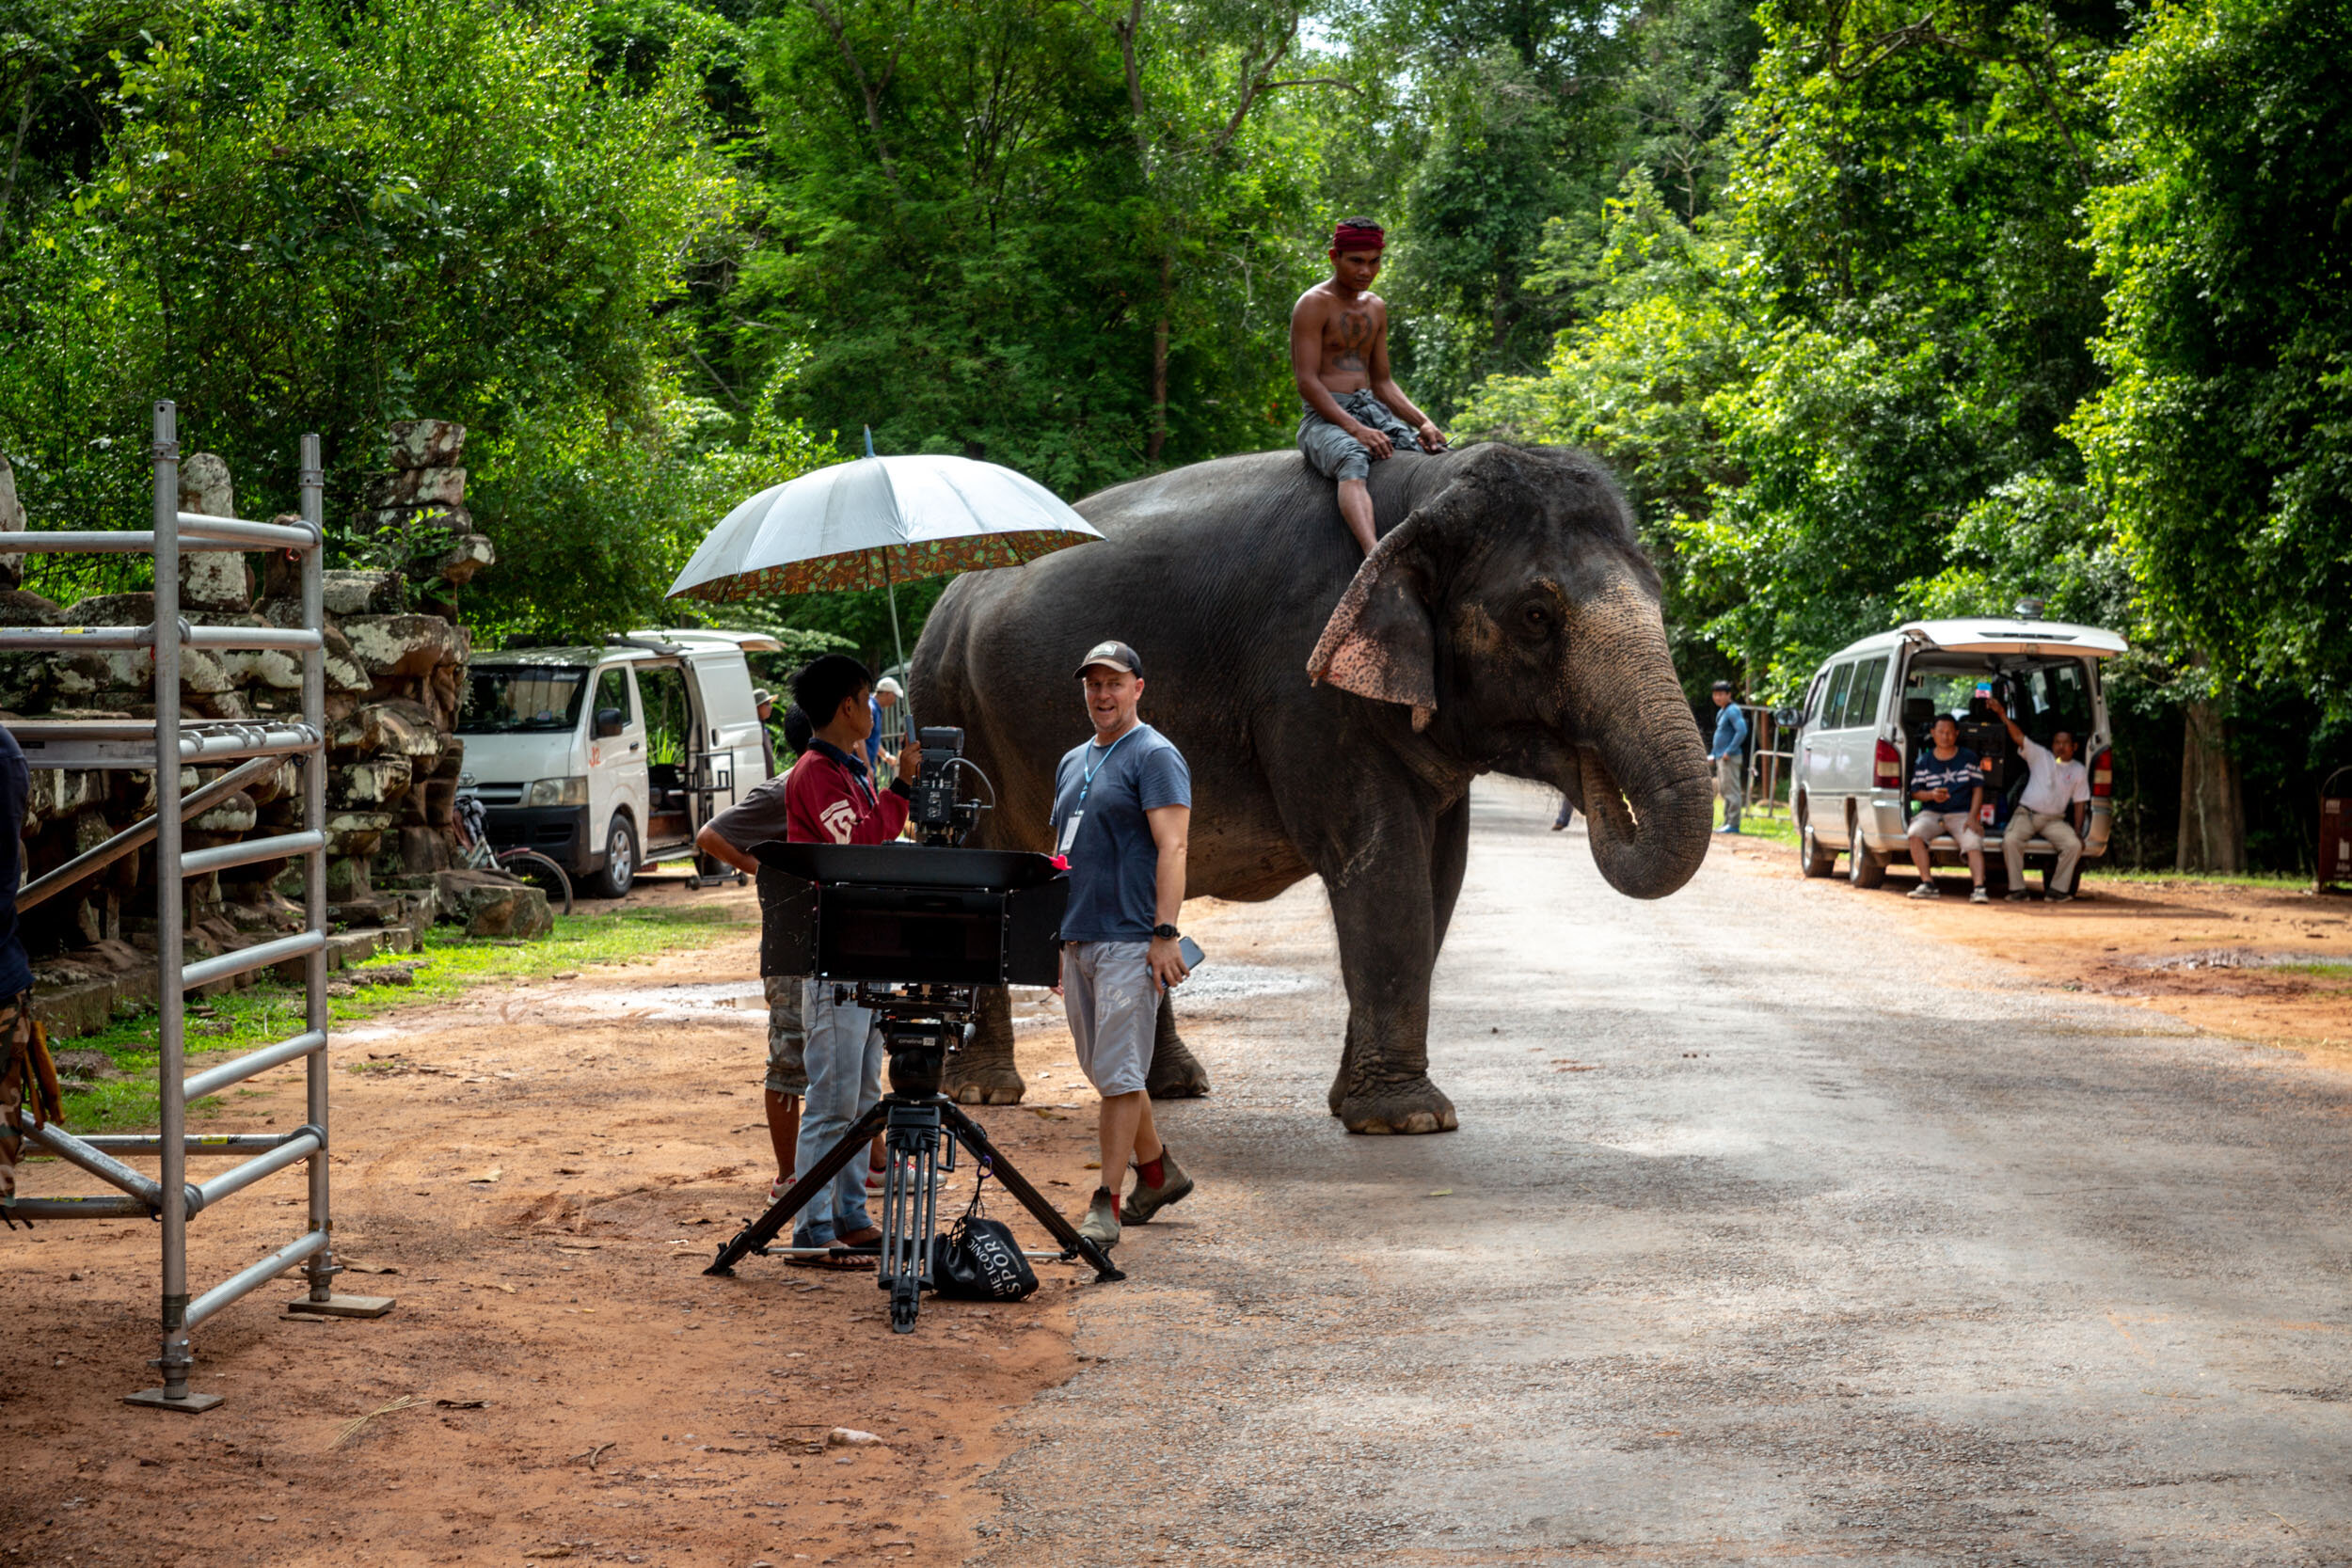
{"x": 475, "y": 854}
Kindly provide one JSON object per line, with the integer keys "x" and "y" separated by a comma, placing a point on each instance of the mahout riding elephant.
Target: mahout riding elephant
{"x": 1334, "y": 708}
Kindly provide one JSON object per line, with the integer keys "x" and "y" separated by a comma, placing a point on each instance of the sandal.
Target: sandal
{"x": 836, "y": 1256}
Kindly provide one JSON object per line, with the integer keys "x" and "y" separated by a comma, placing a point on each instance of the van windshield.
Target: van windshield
{"x": 530, "y": 697}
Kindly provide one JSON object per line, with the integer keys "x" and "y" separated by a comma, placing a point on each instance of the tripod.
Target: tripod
{"x": 920, "y": 1024}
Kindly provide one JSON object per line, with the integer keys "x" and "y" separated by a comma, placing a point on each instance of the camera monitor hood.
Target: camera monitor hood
{"x": 908, "y": 913}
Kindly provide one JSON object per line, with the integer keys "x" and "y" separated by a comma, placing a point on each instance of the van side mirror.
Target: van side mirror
{"x": 1788, "y": 717}
{"x": 609, "y": 722}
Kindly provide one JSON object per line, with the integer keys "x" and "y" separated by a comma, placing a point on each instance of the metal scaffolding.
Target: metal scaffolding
{"x": 166, "y": 747}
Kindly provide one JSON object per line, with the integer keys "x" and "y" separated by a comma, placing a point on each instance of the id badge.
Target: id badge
{"x": 1070, "y": 832}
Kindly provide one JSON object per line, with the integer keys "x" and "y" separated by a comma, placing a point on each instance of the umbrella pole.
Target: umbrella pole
{"x": 898, "y": 642}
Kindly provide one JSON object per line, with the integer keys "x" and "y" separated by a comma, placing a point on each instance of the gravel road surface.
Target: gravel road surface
{"x": 1772, "y": 1233}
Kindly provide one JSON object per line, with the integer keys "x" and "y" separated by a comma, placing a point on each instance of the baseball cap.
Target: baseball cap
{"x": 1117, "y": 655}
{"x": 891, "y": 686}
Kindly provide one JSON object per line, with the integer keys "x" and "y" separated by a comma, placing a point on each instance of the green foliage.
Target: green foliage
{"x": 2223, "y": 443}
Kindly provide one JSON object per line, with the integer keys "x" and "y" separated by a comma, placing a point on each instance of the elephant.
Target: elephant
{"x": 1333, "y": 709}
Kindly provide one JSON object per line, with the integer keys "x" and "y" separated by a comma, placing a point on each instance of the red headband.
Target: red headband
{"x": 1359, "y": 236}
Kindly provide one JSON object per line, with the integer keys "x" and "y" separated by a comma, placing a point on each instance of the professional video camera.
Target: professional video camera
{"x": 912, "y": 931}
{"x": 938, "y": 815}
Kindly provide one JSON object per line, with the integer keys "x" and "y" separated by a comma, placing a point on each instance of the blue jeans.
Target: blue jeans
{"x": 844, "y": 1056}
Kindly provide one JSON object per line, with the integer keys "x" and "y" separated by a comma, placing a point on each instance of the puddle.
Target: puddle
{"x": 1215, "y": 983}
{"x": 705, "y": 1002}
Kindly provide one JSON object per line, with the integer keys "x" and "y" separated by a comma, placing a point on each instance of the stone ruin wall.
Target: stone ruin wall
{"x": 394, "y": 680}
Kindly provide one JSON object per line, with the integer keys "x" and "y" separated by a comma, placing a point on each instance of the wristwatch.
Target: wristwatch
{"x": 1166, "y": 933}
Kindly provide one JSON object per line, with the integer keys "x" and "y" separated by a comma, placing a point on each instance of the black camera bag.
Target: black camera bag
{"x": 978, "y": 1259}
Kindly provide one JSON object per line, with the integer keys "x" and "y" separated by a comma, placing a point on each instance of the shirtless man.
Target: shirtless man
{"x": 1356, "y": 413}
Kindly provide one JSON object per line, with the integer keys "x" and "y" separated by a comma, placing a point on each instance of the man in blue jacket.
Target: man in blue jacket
{"x": 1728, "y": 753}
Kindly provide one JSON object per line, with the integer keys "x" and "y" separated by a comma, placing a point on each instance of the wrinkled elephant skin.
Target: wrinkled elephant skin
{"x": 1333, "y": 711}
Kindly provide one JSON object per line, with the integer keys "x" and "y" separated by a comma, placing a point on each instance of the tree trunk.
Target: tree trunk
{"x": 2213, "y": 801}
{"x": 1159, "y": 368}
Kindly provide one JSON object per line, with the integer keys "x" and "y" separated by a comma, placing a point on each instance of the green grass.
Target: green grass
{"x": 447, "y": 965}
{"x": 2273, "y": 879}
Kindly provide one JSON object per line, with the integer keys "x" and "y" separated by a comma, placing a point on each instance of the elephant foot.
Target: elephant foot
{"x": 1413, "y": 1106}
{"x": 983, "y": 1083}
{"x": 1176, "y": 1073}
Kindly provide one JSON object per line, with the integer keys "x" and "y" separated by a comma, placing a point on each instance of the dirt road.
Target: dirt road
{"x": 1778, "y": 1227}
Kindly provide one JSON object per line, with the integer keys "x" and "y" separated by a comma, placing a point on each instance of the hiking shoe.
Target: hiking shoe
{"x": 2058, "y": 897}
{"x": 2013, "y": 896}
{"x": 1144, "y": 1201}
{"x": 1925, "y": 890}
{"x": 1978, "y": 895}
{"x": 1101, "y": 1226}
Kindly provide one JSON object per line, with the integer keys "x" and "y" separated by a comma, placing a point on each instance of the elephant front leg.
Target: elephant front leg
{"x": 1176, "y": 1074}
{"x": 1387, "y": 946}
{"x": 982, "y": 1074}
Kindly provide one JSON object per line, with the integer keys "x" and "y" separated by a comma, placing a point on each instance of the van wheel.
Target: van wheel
{"x": 1816, "y": 861}
{"x": 620, "y": 861}
{"x": 1863, "y": 869}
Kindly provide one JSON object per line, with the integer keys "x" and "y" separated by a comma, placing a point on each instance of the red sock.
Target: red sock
{"x": 1154, "y": 1173}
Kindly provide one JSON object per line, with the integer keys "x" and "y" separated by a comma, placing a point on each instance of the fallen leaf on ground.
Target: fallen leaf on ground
{"x": 1442, "y": 1191}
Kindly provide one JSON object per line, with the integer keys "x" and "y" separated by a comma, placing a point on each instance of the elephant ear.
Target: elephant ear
{"x": 1379, "y": 642}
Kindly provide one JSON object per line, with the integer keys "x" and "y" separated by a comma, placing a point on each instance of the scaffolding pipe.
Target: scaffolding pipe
{"x": 245, "y": 851}
{"x": 212, "y": 1080}
{"x": 260, "y": 956}
{"x": 90, "y": 862}
{"x": 196, "y": 1143}
{"x": 305, "y": 1143}
{"x": 321, "y": 1275}
{"x": 76, "y": 1151}
{"x": 245, "y": 534}
{"x": 246, "y": 1281}
{"x": 170, "y": 999}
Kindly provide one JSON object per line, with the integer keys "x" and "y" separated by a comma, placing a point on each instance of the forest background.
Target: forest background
{"x": 1879, "y": 308}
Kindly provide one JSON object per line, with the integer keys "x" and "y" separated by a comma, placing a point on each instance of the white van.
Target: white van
{"x": 604, "y": 759}
{"x": 1868, "y": 711}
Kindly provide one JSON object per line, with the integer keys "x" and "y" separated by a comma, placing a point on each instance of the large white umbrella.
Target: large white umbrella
{"x": 877, "y": 522}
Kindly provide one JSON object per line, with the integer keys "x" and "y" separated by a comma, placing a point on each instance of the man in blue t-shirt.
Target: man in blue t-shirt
{"x": 1947, "y": 785}
{"x": 1122, "y": 806}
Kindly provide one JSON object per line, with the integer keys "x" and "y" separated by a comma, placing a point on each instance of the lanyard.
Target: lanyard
{"x": 1086, "y": 779}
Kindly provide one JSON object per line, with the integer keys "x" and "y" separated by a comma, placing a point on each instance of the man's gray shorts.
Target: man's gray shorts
{"x": 1113, "y": 1003}
{"x": 1334, "y": 453}
{"x": 788, "y": 1036}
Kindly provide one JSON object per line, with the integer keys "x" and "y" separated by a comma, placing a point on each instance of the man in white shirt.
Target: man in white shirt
{"x": 2056, "y": 797}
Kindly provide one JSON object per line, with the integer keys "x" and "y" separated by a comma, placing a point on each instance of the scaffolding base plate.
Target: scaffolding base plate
{"x": 153, "y": 1399}
{"x": 342, "y": 1306}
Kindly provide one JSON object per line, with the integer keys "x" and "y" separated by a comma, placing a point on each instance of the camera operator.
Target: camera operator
{"x": 827, "y": 798}
{"x": 1122, "y": 806}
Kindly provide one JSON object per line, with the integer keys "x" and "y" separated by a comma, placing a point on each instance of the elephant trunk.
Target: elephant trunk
{"x": 1647, "y": 786}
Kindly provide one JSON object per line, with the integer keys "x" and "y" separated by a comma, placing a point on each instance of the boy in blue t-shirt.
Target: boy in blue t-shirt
{"x": 1947, "y": 785}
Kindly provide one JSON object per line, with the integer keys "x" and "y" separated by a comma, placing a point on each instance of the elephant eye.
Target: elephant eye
{"x": 1535, "y": 621}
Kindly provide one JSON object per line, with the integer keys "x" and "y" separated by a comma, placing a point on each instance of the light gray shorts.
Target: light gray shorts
{"x": 1961, "y": 825}
{"x": 788, "y": 1036}
{"x": 1334, "y": 453}
{"x": 1113, "y": 1004}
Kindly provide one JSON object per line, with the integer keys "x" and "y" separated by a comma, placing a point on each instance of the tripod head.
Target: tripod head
{"x": 920, "y": 1024}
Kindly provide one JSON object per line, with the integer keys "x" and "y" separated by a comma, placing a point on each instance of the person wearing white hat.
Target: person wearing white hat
{"x": 890, "y": 728}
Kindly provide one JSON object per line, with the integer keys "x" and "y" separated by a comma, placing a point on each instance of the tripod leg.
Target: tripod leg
{"x": 764, "y": 1230}
{"x": 975, "y": 1137}
{"x": 908, "y": 1213}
